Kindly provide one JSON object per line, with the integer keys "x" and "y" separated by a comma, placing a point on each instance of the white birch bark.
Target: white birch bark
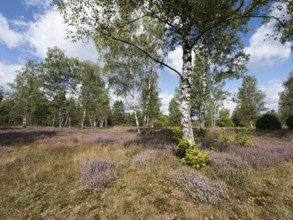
{"x": 60, "y": 118}
{"x": 83, "y": 118}
{"x": 185, "y": 94}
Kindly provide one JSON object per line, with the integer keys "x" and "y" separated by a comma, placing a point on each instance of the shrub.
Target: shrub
{"x": 242, "y": 137}
{"x": 230, "y": 168}
{"x": 226, "y": 141}
{"x": 198, "y": 187}
{"x": 268, "y": 121}
{"x": 191, "y": 155}
{"x": 265, "y": 153}
{"x": 195, "y": 158}
{"x": 225, "y": 122}
{"x": 145, "y": 157}
{"x": 98, "y": 173}
{"x": 162, "y": 121}
{"x": 289, "y": 122}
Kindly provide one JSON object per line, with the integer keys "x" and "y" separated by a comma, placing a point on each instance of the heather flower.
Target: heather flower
{"x": 98, "y": 173}
{"x": 199, "y": 187}
{"x": 230, "y": 168}
{"x": 145, "y": 157}
{"x": 264, "y": 153}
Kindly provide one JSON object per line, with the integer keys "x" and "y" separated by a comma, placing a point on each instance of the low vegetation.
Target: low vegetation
{"x": 112, "y": 173}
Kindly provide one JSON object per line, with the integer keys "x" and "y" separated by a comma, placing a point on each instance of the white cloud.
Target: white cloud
{"x": 272, "y": 94}
{"x": 174, "y": 59}
{"x": 8, "y": 74}
{"x": 49, "y": 31}
{"x": 165, "y": 99}
{"x": 9, "y": 37}
{"x": 43, "y": 4}
{"x": 265, "y": 51}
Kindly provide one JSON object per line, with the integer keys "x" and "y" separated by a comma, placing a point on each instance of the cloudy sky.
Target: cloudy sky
{"x": 29, "y": 27}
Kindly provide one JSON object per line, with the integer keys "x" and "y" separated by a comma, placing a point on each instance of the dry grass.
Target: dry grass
{"x": 40, "y": 173}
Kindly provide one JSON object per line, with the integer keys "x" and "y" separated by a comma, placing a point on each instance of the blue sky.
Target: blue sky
{"x": 29, "y": 27}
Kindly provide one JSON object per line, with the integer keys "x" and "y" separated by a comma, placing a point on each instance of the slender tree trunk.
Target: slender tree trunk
{"x": 185, "y": 94}
{"x": 24, "y": 120}
{"x": 60, "y": 119}
{"x": 137, "y": 122}
{"x": 66, "y": 121}
{"x": 106, "y": 122}
{"x": 53, "y": 121}
{"x": 24, "y": 117}
{"x": 101, "y": 122}
{"x": 69, "y": 122}
{"x": 83, "y": 118}
{"x": 148, "y": 103}
{"x": 90, "y": 119}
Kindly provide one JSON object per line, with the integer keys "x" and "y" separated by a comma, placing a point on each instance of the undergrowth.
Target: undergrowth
{"x": 43, "y": 176}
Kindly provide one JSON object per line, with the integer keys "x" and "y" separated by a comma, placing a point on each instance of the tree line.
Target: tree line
{"x": 62, "y": 91}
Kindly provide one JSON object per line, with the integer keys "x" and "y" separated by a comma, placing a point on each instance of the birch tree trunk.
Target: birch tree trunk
{"x": 83, "y": 118}
{"x": 101, "y": 122}
{"x": 146, "y": 110}
{"x": 137, "y": 122}
{"x": 53, "y": 121}
{"x": 90, "y": 119}
{"x": 185, "y": 94}
{"x": 60, "y": 118}
{"x": 66, "y": 121}
{"x": 24, "y": 117}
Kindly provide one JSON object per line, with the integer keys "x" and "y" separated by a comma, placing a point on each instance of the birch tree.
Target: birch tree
{"x": 286, "y": 98}
{"x": 26, "y": 90}
{"x": 182, "y": 24}
{"x": 250, "y": 102}
{"x": 59, "y": 80}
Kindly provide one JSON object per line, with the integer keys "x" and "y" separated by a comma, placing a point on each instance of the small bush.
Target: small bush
{"x": 242, "y": 138}
{"x": 289, "y": 122}
{"x": 146, "y": 157}
{"x": 162, "y": 121}
{"x": 195, "y": 158}
{"x": 191, "y": 155}
{"x": 98, "y": 173}
{"x": 268, "y": 121}
{"x": 230, "y": 168}
{"x": 225, "y": 122}
{"x": 199, "y": 188}
{"x": 226, "y": 141}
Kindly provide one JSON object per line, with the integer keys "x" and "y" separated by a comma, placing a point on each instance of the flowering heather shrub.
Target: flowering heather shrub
{"x": 147, "y": 156}
{"x": 230, "y": 168}
{"x": 98, "y": 173}
{"x": 198, "y": 187}
{"x": 265, "y": 153}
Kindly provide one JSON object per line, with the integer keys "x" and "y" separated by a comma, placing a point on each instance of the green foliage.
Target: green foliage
{"x": 250, "y": 102}
{"x": 118, "y": 113}
{"x": 289, "y": 122}
{"x": 225, "y": 122}
{"x": 162, "y": 121}
{"x": 268, "y": 121}
{"x": 191, "y": 155}
{"x": 286, "y": 98}
{"x": 242, "y": 137}
{"x": 195, "y": 158}
{"x": 174, "y": 112}
{"x": 226, "y": 141}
